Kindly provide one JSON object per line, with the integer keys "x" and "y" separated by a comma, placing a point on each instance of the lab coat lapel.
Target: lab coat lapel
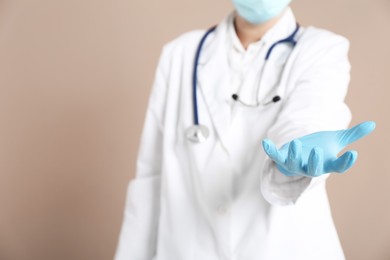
{"x": 213, "y": 80}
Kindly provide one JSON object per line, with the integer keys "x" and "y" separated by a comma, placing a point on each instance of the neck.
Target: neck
{"x": 249, "y": 33}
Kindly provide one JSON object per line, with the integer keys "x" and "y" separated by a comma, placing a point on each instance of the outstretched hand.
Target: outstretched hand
{"x": 316, "y": 154}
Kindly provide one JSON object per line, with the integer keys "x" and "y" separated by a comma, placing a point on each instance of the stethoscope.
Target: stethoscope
{"x": 198, "y": 133}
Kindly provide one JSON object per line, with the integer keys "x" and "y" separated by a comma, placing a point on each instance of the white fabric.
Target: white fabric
{"x": 224, "y": 199}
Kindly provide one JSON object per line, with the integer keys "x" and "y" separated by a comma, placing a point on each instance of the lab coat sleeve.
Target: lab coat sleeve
{"x": 315, "y": 102}
{"x": 137, "y": 240}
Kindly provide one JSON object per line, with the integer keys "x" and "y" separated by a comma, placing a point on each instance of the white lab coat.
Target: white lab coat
{"x": 188, "y": 202}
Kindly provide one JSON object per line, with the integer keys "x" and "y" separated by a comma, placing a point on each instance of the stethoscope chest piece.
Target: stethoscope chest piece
{"x": 197, "y": 133}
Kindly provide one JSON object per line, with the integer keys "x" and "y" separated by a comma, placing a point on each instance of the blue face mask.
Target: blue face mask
{"x": 259, "y": 11}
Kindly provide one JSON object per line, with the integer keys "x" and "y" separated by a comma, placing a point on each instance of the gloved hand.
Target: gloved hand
{"x": 316, "y": 154}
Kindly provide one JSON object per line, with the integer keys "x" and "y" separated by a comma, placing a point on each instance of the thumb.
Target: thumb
{"x": 355, "y": 133}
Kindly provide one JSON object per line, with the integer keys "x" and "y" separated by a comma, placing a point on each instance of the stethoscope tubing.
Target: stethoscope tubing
{"x": 198, "y": 129}
{"x": 290, "y": 39}
{"x": 195, "y": 74}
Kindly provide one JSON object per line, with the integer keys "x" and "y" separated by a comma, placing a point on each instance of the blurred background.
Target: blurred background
{"x": 75, "y": 76}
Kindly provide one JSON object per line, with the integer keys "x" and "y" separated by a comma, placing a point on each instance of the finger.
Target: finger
{"x": 315, "y": 162}
{"x": 355, "y": 133}
{"x": 294, "y": 157}
{"x": 344, "y": 162}
{"x": 271, "y": 150}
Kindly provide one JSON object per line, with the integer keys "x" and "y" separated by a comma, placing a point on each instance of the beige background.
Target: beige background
{"x": 74, "y": 80}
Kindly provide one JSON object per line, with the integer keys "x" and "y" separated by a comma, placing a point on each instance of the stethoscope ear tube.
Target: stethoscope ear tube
{"x": 199, "y": 133}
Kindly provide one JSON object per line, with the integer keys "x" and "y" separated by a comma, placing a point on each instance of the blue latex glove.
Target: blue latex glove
{"x": 316, "y": 154}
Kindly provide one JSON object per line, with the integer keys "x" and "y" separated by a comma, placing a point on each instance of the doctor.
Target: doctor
{"x": 248, "y": 182}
